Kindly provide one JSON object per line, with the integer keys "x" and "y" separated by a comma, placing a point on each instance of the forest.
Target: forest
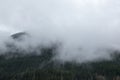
{"x": 16, "y": 64}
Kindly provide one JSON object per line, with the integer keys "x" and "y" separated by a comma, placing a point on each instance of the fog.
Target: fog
{"x": 85, "y": 28}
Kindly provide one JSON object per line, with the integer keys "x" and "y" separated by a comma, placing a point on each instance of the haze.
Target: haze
{"x": 84, "y": 27}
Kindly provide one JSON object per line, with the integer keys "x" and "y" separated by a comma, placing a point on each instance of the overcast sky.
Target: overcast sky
{"x": 79, "y": 24}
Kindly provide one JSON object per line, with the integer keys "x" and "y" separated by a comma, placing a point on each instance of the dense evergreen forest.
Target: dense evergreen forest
{"x": 17, "y": 64}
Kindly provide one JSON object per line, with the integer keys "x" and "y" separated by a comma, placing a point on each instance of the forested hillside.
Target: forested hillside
{"x": 16, "y": 65}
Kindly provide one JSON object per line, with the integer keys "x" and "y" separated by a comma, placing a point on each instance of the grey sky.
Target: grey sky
{"x": 86, "y": 24}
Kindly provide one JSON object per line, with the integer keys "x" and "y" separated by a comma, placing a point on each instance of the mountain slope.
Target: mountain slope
{"x": 43, "y": 66}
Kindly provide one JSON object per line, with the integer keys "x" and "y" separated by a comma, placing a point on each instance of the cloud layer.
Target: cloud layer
{"x": 83, "y": 26}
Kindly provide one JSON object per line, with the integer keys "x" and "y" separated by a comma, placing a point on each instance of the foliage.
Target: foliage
{"x": 43, "y": 67}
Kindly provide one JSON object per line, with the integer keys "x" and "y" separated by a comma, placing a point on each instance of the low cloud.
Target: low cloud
{"x": 84, "y": 27}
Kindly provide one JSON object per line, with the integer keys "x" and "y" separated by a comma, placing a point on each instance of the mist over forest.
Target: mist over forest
{"x": 68, "y": 37}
